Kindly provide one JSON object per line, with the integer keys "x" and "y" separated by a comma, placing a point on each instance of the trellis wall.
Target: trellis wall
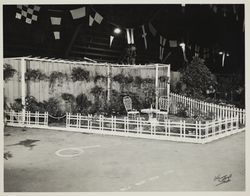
{"x": 42, "y": 90}
{"x": 218, "y": 111}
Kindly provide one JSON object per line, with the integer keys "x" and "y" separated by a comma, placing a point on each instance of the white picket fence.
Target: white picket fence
{"x": 218, "y": 111}
{"x": 198, "y": 132}
{"x": 36, "y": 120}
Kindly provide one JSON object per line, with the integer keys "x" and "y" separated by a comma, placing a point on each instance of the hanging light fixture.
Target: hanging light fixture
{"x": 117, "y": 30}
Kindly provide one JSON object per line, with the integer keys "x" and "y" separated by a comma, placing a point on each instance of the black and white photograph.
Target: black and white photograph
{"x": 123, "y": 97}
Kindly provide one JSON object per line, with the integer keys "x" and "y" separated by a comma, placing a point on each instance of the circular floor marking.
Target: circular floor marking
{"x": 60, "y": 153}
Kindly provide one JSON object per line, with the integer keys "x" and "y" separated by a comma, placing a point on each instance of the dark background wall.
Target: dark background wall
{"x": 194, "y": 24}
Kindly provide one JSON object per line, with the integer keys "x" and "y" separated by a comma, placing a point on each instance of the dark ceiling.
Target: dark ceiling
{"x": 193, "y": 24}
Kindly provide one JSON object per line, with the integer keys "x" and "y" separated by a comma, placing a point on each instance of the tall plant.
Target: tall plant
{"x": 197, "y": 78}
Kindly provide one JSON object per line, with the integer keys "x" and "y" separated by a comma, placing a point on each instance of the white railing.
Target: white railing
{"x": 198, "y": 132}
{"x": 218, "y": 111}
{"x": 27, "y": 118}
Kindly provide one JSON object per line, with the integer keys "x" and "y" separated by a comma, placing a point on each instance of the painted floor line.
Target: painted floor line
{"x": 140, "y": 183}
{"x": 94, "y": 146}
{"x": 154, "y": 178}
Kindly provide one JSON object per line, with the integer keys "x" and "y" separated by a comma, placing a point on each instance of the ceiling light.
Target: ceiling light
{"x": 117, "y": 30}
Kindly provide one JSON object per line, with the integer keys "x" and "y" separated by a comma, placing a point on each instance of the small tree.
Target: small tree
{"x": 197, "y": 79}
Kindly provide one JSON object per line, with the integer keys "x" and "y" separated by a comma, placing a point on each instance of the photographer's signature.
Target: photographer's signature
{"x": 222, "y": 179}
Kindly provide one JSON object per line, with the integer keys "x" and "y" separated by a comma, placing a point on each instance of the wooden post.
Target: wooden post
{"x": 77, "y": 120}
{"x": 184, "y": 128}
{"x": 168, "y": 83}
{"x": 232, "y": 123}
{"x": 237, "y": 122}
{"x": 156, "y": 85}
{"x": 207, "y": 130}
{"x": 199, "y": 129}
{"x": 23, "y": 86}
{"x": 109, "y": 73}
{"x": 114, "y": 124}
{"x": 196, "y": 130}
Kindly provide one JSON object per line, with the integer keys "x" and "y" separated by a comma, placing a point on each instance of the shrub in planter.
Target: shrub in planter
{"x": 79, "y": 74}
{"x": 182, "y": 110}
{"x": 164, "y": 79}
{"x": 31, "y": 105}
{"x": 8, "y": 72}
{"x": 68, "y": 97}
{"x": 69, "y": 100}
{"x": 121, "y": 79}
{"x": 17, "y": 105}
{"x": 52, "y": 106}
{"x": 57, "y": 75}
{"x": 96, "y": 91}
{"x": 138, "y": 80}
{"x": 34, "y": 75}
{"x": 82, "y": 104}
{"x": 99, "y": 77}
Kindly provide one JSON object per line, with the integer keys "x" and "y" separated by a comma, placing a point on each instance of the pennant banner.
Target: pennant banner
{"x": 144, "y": 34}
{"x": 57, "y": 35}
{"x": 162, "y": 44}
{"x": 28, "y": 12}
{"x": 152, "y": 29}
{"x": 98, "y": 18}
{"x": 78, "y": 13}
{"x": 184, "y": 51}
{"x": 55, "y": 20}
{"x": 111, "y": 40}
{"x": 172, "y": 43}
{"x": 91, "y": 20}
{"x": 130, "y": 36}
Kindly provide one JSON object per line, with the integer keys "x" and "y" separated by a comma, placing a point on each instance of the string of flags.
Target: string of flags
{"x": 29, "y": 13}
{"x": 97, "y": 18}
{"x": 78, "y": 13}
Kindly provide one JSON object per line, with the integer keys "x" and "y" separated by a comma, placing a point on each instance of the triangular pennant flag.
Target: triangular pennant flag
{"x": 111, "y": 40}
{"x": 98, "y": 18}
{"x": 28, "y": 12}
{"x": 152, "y": 29}
{"x": 91, "y": 20}
{"x": 57, "y": 35}
{"x": 55, "y": 20}
{"x": 172, "y": 43}
{"x": 78, "y": 13}
{"x": 144, "y": 34}
{"x": 184, "y": 51}
{"x": 162, "y": 44}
